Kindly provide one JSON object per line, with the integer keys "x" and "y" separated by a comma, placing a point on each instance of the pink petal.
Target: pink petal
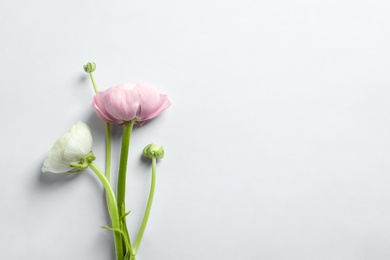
{"x": 128, "y": 101}
{"x": 100, "y": 109}
{"x": 149, "y": 97}
{"x": 162, "y": 104}
{"x": 121, "y": 102}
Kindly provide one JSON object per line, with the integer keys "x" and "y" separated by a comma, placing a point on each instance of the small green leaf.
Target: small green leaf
{"x": 125, "y": 215}
{"x": 113, "y": 229}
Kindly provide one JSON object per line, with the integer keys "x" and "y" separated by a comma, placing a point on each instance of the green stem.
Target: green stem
{"x": 128, "y": 127}
{"x": 148, "y": 207}
{"x": 93, "y": 82}
{"x": 108, "y": 151}
{"x": 112, "y": 210}
{"x": 108, "y": 136}
{"x": 121, "y": 188}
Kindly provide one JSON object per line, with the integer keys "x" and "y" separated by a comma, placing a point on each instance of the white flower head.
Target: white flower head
{"x": 73, "y": 148}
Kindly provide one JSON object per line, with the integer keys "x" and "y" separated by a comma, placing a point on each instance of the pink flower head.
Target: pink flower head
{"x": 128, "y": 101}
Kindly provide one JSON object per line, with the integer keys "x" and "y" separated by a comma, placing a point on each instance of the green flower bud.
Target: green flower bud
{"x": 90, "y": 67}
{"x": 154, "y": 150}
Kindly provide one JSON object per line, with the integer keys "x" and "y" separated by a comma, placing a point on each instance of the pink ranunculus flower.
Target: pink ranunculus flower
{"x": 129, "y": 101}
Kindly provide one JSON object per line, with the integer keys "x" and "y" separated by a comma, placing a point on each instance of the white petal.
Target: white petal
{"x": 54, "y": 162}
{"x": 80, "y": 143}
{"x": 69, "y": 148}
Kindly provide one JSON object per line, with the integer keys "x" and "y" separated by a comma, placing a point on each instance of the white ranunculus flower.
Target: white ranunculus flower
{"x": 74, "y": 147}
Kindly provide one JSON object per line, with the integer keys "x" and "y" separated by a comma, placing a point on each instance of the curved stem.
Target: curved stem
{"x": 112, "y": 210}
{"x": 148, "y": 207}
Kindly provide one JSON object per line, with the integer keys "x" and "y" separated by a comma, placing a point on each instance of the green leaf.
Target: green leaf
{"x": 125, "y": 215}
{"x": 113, "y": 229}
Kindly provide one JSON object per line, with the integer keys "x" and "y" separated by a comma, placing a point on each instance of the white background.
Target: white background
{"x": 277, "y": 140}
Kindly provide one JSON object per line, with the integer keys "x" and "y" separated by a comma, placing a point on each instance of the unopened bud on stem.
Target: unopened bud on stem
{"x": 90, "y": 67}
{"x": 154, "y": 150}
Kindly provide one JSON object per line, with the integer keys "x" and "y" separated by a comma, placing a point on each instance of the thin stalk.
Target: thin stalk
{"x": 148, "y": 207}
{"x": 93, "y": 82}
{"x": 112, "y": 210}
{"x": 108, "y": 138}
{"x": 108, "y": 151}
{"x": 108, "y": 135}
